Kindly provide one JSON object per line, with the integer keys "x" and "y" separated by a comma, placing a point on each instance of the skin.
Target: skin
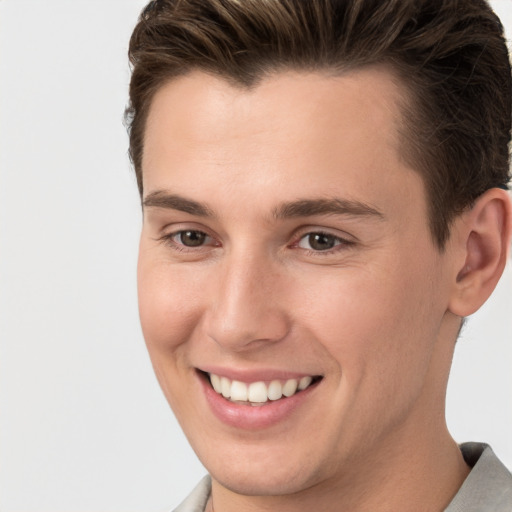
{"x": 377, "y": 315}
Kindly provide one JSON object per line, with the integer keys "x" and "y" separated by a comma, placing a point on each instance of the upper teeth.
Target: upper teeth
{"x": 257, "y": 392}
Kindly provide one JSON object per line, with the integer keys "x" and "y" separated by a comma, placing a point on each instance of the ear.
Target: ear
{"x": 483, "y": 237}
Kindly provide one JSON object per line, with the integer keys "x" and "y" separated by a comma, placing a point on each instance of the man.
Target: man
{"x": 324, "y": 195}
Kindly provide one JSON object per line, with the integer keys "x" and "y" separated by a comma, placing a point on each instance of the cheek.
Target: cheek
{"x": 168, "y": 303}
{"x": 374, "y": 323}
{"x": 169, "y": 313}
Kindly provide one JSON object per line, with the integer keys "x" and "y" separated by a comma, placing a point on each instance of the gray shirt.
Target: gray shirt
{"x": 488, "y": 487}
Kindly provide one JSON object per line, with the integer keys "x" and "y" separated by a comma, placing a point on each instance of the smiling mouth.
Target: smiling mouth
{"x": 259, "y": 393}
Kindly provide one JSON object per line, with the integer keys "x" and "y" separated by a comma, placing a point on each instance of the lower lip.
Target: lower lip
{"x": 253, "y": 417}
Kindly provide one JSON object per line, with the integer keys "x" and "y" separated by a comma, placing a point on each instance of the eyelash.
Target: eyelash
{"x": 340, "y": 243}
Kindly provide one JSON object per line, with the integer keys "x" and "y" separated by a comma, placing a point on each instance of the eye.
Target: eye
{"x": 319, "y": 241}
{"x": 189, "y": 242}
{"x": 190, "y": 238}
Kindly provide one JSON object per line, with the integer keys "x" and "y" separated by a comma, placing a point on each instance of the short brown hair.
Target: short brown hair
{"x": 451, "y": 55}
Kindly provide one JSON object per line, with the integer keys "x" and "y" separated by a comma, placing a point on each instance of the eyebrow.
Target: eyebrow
{"x": 288, "y": 210}
{"x": 331, "y": 206}
{"x": 161, "y": 199}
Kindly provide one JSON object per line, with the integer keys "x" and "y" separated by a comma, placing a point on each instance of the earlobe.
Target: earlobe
{"x": 485, "y": 236}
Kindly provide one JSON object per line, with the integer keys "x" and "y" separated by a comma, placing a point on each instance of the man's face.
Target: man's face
{"x": 284, "y": 237}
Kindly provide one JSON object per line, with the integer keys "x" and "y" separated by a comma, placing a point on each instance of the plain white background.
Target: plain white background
{"x": 83, "y": 424}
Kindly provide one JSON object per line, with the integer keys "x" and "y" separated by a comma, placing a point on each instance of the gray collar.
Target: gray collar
{"x": 196, "y": 500}
{"x": 489, "y": 485}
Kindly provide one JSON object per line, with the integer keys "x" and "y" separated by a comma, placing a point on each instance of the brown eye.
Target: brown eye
{"x": 191, "y": 238}
{"x": 319, "y": 241}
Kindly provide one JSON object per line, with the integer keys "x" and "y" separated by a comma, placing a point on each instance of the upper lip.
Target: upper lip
{"x": 254, "y": 375}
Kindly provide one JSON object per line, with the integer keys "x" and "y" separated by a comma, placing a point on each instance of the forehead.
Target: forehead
{"x": 309, "y": 131}
{"x": 287, "y": 104}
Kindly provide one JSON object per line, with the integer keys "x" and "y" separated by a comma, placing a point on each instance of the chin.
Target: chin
{"x": 263, "y": 482}
{"x": 263, "y": 472}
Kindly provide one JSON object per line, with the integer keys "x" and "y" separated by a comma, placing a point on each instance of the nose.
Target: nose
{"x": 246, "y": 310}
